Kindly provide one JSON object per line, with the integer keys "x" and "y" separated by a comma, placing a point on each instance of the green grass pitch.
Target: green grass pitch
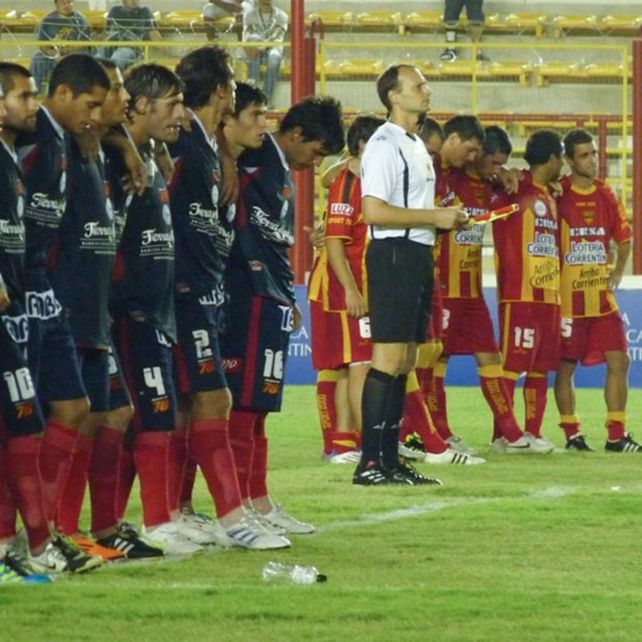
{"x": 522, "y": 548}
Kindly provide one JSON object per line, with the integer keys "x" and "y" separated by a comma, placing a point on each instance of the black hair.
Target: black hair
{"x": 361, "y": 129}
{"x": 430, "y": 126}
{"x": 543, "y": 144}
{"x": 151, "y": 81}
{"x": 247, "y": 95}
{"x": 202, "y": 71}
{"x": 497, "y": 141}
{"x": 466, "y": 127}
{"x": 577, "y": 136}
{"x": 320, "y": 119}
{"x": 81, "y": 72}
{"x": 7, "y": 72}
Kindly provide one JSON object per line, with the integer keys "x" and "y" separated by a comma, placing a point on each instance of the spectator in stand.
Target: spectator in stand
{"x": 475, "y": 16}
{"x": 216, "y": 9}
{"x": 62, "y": 24}
{"x": 130, "y": 22}
{"x": 265, "y": 23}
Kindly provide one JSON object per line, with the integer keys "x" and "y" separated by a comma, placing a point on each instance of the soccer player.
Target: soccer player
{"x": 204, "y": 235}
{"x": 466, "y": 322}
{"x": 77, "y": 89}
{"x": 143, "y": 299}
{"x": 591, "y": 219}
{"x": 398, "y": 183}
{"x": 262, "y": 310}
{"x": 432, "y": 133}
{"x": 81, "y": 276}
{"x": 338, "y": 307}
{"x": 19, "y": 406}
{"x": 528, "y": 271}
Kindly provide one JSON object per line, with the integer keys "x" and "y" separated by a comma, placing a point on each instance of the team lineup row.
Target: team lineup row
{"x": 146, "y": 303}
{"x": 560, "y": 245}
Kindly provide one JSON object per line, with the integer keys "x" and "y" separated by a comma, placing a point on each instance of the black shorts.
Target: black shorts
{"x": 197, "y": 355}
{"x": 255, "y": 348}
{"x": 474, "y": 12}
{"x": 400, "y": 281}
{"x": 20, "y": 409}
{"x": 53, "y": 360}
{"x": 94, "y": 366}
{"x": 119, "y": 396}
{"x": 146, "y": 359}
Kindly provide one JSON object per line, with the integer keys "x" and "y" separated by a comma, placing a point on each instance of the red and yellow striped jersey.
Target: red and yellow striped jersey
{"x": 343, "y": 220}
{"x": 527, "y": 248}
{"x": 459, "y": 253}
{"x": 589, "y": 221}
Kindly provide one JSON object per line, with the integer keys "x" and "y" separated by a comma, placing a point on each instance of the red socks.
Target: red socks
{"x": 103, "y": 478}
{"x": 56, "y": 451}
{"x": 72, "y": 495}
{"x": 126, "y": 477}
{"x": 417, "y": 419}
{"x": 570, "y": 424}
{"x": 258, "y": 474}
{"x": 241, "y": 427}
{"x": 436, "y": 399}
{"x": 326, "y": 387}
{"x": 25, "y": 484}
{"x": 615, "y": 422}
{"x": 496, "y": 393}
{"x": 177, "y": 465}
{"x": 535, "y": 398}
{"x": 209, "y": 446}
{"x": 151, "y": 455}
{"x": 7, "y": 504}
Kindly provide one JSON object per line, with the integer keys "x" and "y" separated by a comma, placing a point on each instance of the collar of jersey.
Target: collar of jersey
{"x": 210, "y": 141}
{"x": 585, "y": 192}
{"x": 54, "y": 123}
{"x": 279, "y": 151}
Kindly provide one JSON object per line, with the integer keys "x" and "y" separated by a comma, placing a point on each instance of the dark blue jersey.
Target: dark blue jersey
{"x": 44, "y": 164}
{"x": 203, "y": 232}
{"x": 81, "y": 265}
{"x": 143, "y": 283}
{"x": 12, "y": 233}
{"x": 264, "y": 222}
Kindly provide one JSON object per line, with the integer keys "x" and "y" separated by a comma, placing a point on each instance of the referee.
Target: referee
{"x": 398, "y": 190}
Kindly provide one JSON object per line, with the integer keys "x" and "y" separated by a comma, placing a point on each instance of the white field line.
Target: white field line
{"x": 551, "y": 492}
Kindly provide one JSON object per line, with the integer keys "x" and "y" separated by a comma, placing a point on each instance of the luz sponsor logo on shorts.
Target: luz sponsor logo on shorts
{"x": 233, "y": 365}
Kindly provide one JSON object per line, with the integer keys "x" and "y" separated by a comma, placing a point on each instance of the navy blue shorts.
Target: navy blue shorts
{"x": 255, "y": 348}
{"x": 118, "y": 392}
{"x": 53, "y": 360}
{"x": 19, "y": 407}
{"x": 94, "y": 366}
{"x": 199, "y": 366}
{"x": 146, "y": 359}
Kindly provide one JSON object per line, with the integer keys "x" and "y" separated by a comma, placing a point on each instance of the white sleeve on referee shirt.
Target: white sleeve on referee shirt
{"x": 379, "y": 170}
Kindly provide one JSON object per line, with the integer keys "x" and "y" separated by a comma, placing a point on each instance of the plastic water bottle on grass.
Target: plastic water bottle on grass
{"x": 291, "y": 574}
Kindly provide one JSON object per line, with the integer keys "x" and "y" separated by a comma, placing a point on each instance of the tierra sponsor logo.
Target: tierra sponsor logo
{"x": 42, "y": 201}
{"x": 154, "y": 236}
{"x": 93, "y": 229}
{"x": 270, "y": 229}
{"x": 11, "y": 230}
{"x": 196, "y": 209}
